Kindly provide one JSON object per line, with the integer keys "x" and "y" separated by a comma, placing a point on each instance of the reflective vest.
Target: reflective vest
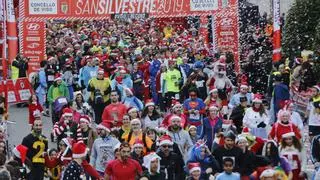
{"x": 14, "y": 72}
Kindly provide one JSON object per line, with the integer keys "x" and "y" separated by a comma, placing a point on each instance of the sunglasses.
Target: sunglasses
{"x": 166, "y": 146}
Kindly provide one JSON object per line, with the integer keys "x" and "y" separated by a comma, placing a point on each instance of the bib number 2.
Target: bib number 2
{"x": 38, "y": 157}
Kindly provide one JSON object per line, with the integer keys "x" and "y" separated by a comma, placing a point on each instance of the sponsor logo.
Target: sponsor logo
{"x": 33, "y": 26}
{"x": 33, "y": 45}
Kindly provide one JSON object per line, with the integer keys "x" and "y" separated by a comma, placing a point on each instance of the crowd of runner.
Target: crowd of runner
{"x": 134, "y": 100}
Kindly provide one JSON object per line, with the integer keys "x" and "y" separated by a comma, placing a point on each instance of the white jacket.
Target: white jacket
{"x": 251, "y": 118}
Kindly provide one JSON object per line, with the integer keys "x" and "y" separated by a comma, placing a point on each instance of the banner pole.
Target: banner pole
{"x": 276, "y": 32}
{"x": 4, "y": 57}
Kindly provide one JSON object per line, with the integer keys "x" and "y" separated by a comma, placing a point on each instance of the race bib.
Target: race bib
{"x": 199, "y": 84}
{"x": 194, "y": 116}
{"x": 62, "y": 100}
{"x": 50, "y": 78}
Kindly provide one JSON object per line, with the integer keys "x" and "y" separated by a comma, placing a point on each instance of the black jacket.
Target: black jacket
{"x": 171, "y": 167}
{"x": 235, "y": 153}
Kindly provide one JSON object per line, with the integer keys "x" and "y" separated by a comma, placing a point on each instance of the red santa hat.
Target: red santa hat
{"x": 100, "y": 70}
{"x": 245, "y": 130}
{"x": 57, "y": 77}
{"x": 213, "y": 107}
{"x": 104, "y": 125}
{"x": 149, "y": 102}
{"x": 132, "y": 109}
{"x": 287, "y": 135}
{"x": 67, "y": 112}
{"x": 213, "y": 89}
{"x": 175, "y": 104}
{"x": 133, "y": 121}
{"x": 317, "y": 87}
{"x": 194, "y": 167}
{"x": 138, "y": 143}
{"x": 20, "y": 151}
{"x": 165, "y": 139}
{"x": 244, "y": 85}
{"x": 79, "y": 150}
{"x": 192, "y": 127}
{"x": 85, "y": 119}
{"x": 174, "y": 117}
{"x": 257, "y": 98}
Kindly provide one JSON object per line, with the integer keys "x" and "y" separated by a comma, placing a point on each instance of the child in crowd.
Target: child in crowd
{"x": 228, "y": 164}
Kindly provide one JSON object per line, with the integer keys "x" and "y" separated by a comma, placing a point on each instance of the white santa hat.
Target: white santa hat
{"x": 194, "y": 167}
{"x": 137, "y": 143}
{"x": 287, "y": 135}
{"x": 79, "y": 150}
{"x": 149, "y": 158}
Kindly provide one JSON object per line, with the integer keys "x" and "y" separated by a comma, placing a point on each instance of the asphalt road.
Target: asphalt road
{"x": 21, "y": 128}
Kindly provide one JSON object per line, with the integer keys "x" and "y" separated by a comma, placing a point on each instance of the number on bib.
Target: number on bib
{"x": 38, "y": 157}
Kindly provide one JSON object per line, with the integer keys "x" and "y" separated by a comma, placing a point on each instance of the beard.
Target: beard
{"x": 37, "y": 131}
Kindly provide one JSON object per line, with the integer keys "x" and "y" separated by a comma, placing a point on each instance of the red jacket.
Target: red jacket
{"x": 32, "y": 108}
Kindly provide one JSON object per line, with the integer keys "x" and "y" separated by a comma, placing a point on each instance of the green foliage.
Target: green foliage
{"x": 300, "y": 27}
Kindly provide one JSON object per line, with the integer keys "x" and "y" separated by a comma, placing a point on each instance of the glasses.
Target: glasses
{"x": 166, "y": 146}
{"x": 135, "y": 124}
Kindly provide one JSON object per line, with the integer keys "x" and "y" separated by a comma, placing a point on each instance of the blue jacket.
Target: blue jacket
{"x": 87, "y": 73}
{"x": 280, "y": 93}
{"x": 43, "y": 82}
{"x": 154, "y": 68}
{"x": 209, "y": 132}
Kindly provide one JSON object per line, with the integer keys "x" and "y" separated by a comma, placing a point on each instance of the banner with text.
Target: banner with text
{"x": 18, "y": 90}
{"x": 106, "y": 8}
{"x": 33, "y": 43}
{"x": 226, "y": 24}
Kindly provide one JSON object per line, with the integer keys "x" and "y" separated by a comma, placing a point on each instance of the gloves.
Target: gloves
{"x": 261, "y": 125}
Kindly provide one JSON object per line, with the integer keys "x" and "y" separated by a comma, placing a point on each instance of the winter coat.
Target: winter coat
{"x": 280, "y": 94}
{"x": 57, "y": 91}
{"x": 171, "y": 167}
{"x": 236, "y": 116}
{"x": 209, "y": 131}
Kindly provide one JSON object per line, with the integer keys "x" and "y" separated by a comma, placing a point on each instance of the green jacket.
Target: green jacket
{"x": 55, "y": 92}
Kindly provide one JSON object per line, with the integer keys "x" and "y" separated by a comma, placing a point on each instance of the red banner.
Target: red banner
{"x": 226, "y": 23}
{"x": 33, "y": 43}
{"x": 105, "y": 8}
{"x": 18, "y": 91}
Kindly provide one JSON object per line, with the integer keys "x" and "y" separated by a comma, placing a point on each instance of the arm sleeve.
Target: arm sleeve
{"x": 93, "y": 154}
{"x": 315, "y": 149}
{"x": 90, "y": 170}
{"x": 42, "y": 80}
{"x": 245, "y": 119}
